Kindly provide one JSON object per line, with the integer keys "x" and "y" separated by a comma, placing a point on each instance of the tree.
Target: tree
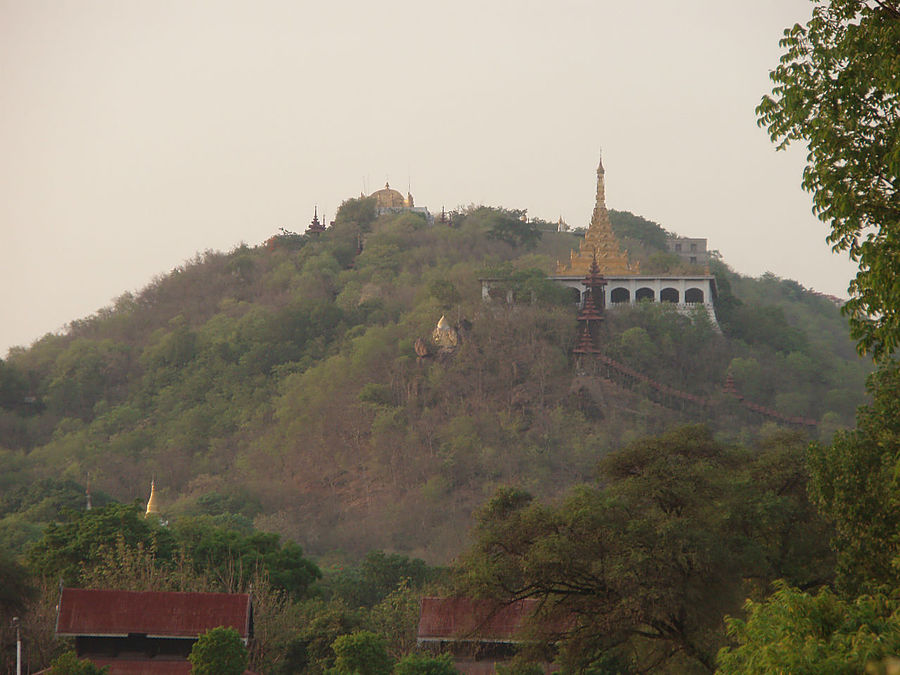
{"x": 425, "y": 664}
{"x": 67, "y": 547}
{"x": 836, "y": 89}
{"x": 856, "y": 484}
{"x": 797, "y": 632}
{"x": 320, "y": 625}
{"x": 627, "y": 225}
{"x": 377, "y": 576}
{"x": 219, "y": 651}
{"x": 444, "y": 292}
{"x": 648, "y": 563}
{"x": 13, "y": 386}
{"x": 15, "y": 589}
{"x": 358, "y": 211}
{"x": 223, "y": 552}
{"x": 509, "y": 225}
{"x": 69, "y": 664}
{"x": 396, "y": 618}
{"x": 361, "y": 653}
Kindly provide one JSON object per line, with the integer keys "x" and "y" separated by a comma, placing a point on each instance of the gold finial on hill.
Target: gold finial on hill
{"x": 152, "y": 507}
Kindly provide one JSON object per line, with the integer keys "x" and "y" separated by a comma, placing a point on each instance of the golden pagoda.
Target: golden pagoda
{"x": 445, "y": 335}
{"x": 600, "y": 242}
{"x": 152, "y": 506}
{"x": 388, "y": 198}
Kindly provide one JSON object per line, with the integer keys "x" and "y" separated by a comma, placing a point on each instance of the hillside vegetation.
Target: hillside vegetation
{"x": 279, "y": 384}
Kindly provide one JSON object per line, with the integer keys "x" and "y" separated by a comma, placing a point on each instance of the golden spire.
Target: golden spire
{"x": 152, "y": 506}
{"x": 600, "y": 241}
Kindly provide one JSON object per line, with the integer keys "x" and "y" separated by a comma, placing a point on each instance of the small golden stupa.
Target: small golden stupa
{"x": 600, "y": 241}
{"x": 152, "y": 506}
{"x": 445, "y": 335}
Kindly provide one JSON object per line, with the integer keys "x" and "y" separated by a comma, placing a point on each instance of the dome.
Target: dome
{"x": 387, "y": 198}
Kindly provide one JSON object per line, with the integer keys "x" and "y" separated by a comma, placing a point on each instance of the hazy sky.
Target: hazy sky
{"x": 136, "y": 133}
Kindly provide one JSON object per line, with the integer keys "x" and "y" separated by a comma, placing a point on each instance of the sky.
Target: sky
{"x": 136, "y": 133}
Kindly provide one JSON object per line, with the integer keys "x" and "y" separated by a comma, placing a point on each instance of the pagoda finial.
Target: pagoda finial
{"x": 600, "y": 241}
{"x": 595, "y": 268}
{"x": 315, "y": 226}
{"x": 601, "y": 191}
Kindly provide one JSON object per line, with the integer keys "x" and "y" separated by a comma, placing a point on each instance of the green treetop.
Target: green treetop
{"x": 837, "y": 90}
{"x": 69, "y": 664}
{"x": 361, "y": 653}
{"x": 219, "y": 651}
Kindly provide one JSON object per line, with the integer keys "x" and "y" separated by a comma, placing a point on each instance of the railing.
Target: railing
{"x": 665, "y": 395}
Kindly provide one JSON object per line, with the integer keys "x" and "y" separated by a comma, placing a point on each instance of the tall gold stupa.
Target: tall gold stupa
{"x": 152, "y": 506}
{"x": 599, "y": 241}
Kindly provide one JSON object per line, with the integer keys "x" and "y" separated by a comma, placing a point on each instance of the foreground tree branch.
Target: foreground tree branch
{"x": 837, "y": 89}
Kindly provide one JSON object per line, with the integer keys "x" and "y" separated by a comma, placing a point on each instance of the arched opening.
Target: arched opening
{"x": 644, "y": 294}
{"x": 668, "y": 295}
{"x": 693, "y": 295}
{"x": 576, "y": 295}
{"x": 619, "y": 295}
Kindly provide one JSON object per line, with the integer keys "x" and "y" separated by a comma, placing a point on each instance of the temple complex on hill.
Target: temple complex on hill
{"x": 624, "y": 284}
{"x": 388, "y": 200}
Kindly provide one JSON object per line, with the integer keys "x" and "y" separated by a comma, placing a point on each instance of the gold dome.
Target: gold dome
{"x": 387, "y": 198}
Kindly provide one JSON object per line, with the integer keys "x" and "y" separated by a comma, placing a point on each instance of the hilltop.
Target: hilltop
{"x": 279, "y": 384}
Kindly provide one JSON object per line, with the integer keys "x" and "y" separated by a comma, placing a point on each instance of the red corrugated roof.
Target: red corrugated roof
{"x": 101, "y": 612}
{"x": 470, "y": 619}
{"x": 146, "y": 667}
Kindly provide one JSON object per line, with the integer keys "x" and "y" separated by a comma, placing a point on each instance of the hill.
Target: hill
{"x": 280, "y": 384}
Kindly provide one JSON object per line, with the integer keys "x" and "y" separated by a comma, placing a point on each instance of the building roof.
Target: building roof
{"x": 152, "y": 613}
{"x": 470, "y": 619}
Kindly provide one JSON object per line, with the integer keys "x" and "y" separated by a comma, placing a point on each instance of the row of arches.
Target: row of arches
{"x": 691, "y": 295}
{"x": 623, "y": 295}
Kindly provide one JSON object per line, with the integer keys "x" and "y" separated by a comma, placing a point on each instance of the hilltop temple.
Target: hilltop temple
{"x": 599, "y": 242}
{"x": 623, "y": 282}
{"x": 388, "y": 200}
